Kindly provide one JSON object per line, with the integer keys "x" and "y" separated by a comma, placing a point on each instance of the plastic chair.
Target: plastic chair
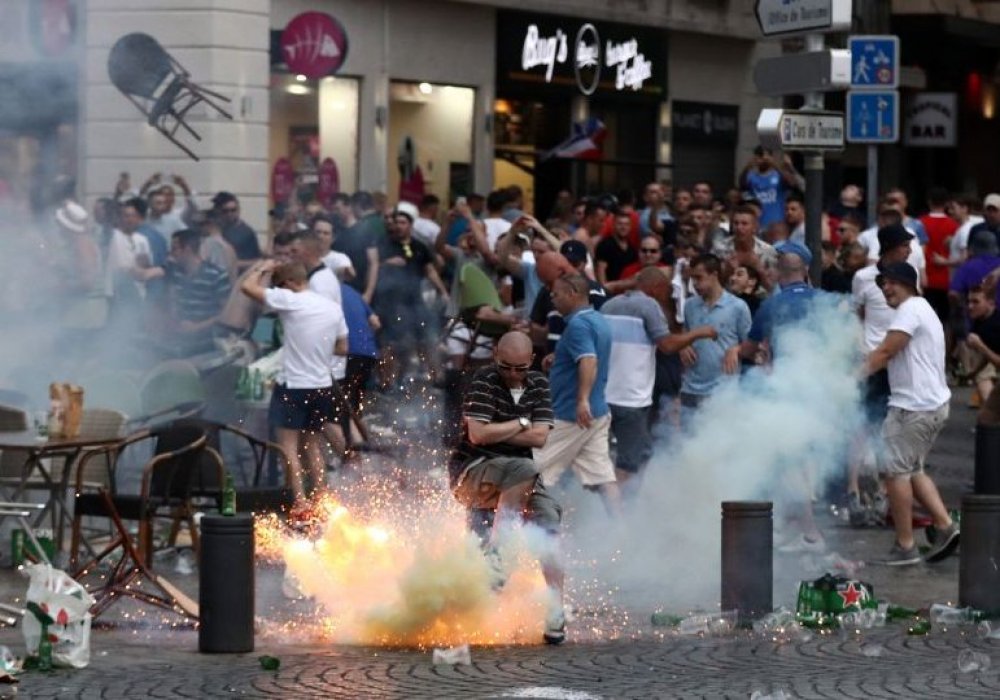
{"x": 181, "y": 451}
{"x": 158, "y": 86}
{"x": 475, "y": 291}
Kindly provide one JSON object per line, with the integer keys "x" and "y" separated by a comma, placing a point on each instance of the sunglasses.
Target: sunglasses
{"x": 504, "y": 367}
{"x": 649, "y": 250}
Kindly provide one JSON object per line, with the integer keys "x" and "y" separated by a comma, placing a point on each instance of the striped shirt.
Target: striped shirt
{"x": 202, "y": 295}
{"x": 489, "y": 400}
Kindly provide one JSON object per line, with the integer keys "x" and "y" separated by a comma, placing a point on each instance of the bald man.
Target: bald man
{"x": 508, "y": 411}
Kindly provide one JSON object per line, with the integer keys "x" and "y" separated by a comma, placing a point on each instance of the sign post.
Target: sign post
{"x": 873, "y": 102}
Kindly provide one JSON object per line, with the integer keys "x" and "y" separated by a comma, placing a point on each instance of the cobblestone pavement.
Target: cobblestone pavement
{"x": 136, "y": 662}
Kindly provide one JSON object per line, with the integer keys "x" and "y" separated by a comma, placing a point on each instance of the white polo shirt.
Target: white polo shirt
{"x": 312, "y": 324}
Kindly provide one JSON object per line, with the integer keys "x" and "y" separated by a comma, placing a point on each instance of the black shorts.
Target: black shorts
{"x": 302, "y": 409}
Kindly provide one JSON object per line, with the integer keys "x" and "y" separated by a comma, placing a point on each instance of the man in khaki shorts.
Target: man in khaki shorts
{"x": 578, "y": 375}
{"x": 914, "y": 352}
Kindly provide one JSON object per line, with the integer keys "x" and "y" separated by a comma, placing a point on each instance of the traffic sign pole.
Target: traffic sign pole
{"x": 871, "y": 194}
{"x": 813, "y": 167}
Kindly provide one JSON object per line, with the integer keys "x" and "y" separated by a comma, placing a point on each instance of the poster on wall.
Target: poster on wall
{"x": 329, "y": 182}
{"x": 303, "y": 150}
{"x": 282, "y": 181}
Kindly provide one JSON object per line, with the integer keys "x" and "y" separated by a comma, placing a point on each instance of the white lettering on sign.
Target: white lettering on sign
{"x": 632, "y": 67}
{"x": 543, "y": 51}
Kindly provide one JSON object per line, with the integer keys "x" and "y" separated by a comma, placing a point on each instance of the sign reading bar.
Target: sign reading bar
{"x": 548, "y": 52}
{"x": 802, "y": 16}
{"x": 931, "y": 119}
{"x": 801, "y": 130}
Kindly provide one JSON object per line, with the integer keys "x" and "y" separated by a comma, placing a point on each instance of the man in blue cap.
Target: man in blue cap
{"x": 793, "y": 303}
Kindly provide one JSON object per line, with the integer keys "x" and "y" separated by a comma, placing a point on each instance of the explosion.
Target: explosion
{"x": 417, "y": 579}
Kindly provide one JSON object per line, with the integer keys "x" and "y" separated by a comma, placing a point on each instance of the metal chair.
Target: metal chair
{"x": 159, "y": 86}
{"x": 181, "y": 451}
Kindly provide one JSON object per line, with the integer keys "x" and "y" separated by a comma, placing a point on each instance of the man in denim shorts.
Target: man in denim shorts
{"x": 914, "y": 352}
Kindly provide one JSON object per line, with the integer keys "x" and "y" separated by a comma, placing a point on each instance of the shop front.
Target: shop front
{"x": 579, "y": 105}
{"x": 704, "y": 138}
{"x": 394, "y": 104}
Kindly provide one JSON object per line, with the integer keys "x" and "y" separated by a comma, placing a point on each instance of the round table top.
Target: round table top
{"x": 30, "y": 439}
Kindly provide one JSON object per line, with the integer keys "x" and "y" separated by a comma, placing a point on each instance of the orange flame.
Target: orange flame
{"x": 421, "y": 582}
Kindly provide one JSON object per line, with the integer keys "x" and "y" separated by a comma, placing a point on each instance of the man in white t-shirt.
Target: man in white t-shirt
{"x": 914, "y": 353}
{"x": 338, "y": 262}
{"x": 302, "y": 402}
{"x": 888, "y": 216}
{"x": 494, "y": 223}
{"x": 426, "y": 227}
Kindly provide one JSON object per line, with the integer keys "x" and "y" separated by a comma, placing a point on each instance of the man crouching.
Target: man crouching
{"x": 507, "y": 412}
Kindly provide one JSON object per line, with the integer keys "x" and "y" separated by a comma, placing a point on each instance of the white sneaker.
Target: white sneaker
{"x": 801, "y": 544}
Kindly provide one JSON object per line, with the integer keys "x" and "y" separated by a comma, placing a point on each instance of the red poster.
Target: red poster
{"x": 314, "y": 44}
{"x": 329, "y": 182}
{"x": 282, "y": 180}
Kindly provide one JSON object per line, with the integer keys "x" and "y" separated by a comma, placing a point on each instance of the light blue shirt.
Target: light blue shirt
{"x": 587, "y": 334}
{"x": 645, "y": 225}
{"x": 730, "y": 316}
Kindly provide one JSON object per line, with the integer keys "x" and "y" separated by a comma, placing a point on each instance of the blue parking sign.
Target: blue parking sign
{"x": 873, "y": 117}
{"x": 874, "y": 62}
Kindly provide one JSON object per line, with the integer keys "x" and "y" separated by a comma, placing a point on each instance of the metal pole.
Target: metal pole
{"x": 978, "y": 575}
{"x": 814, "y": 180}
{"x": 747, "y": 558}
{"x": 871, "y": 193}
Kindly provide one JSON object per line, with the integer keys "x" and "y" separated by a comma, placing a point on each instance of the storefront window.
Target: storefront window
{"x": 430, "y": 141}
{"x": 312, "y": 120}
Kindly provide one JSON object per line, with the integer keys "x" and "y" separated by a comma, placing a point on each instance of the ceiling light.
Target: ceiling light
{"x": 297, "y": 89}
{"x": 425, "y": 88}
{"x": 301, "y": 78}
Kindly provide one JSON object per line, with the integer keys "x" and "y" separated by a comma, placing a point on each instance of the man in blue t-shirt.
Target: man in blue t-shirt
{"x": 577, "y": 379}
{"x": 791, "y": 305}
{"x": 769, "y": 181}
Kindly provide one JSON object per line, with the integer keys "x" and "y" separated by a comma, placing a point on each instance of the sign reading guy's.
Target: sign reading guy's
{"x": 551, "y": 52}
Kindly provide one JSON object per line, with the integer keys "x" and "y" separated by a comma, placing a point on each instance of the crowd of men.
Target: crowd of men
{"x": 562, "y": 344}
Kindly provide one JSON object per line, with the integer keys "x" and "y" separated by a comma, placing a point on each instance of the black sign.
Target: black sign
{"x": 545, "y": 54}
{"x": 704, "y": 122}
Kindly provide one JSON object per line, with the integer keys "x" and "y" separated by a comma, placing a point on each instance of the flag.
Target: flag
{"x": 584, "y": 143}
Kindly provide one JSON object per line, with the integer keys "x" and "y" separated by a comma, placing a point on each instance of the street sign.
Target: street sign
{"x": 874, "y": 62}
{"x": 797, "y": 73}
{"x": 802, "y": 16}
{"x": 873, "y": 117}
{"x": 806, "y": 130}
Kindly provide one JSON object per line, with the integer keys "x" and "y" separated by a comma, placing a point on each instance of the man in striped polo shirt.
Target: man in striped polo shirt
{"x": 508, "y": 411}
{"x": 200, "y": 292}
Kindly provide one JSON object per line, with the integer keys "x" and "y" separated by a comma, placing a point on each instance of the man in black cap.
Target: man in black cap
{"x": 237, "y": 233}
{"x": 914, "y": 353}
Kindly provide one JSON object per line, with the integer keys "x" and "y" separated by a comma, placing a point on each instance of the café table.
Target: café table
{"x": 37, "y": 449}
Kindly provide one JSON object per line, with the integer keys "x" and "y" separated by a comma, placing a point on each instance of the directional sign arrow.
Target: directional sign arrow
{"x": 802, "y": 16}
{"x": 797, "y": 73}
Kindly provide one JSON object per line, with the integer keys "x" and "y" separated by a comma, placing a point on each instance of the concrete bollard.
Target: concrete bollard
{"x": 987, "y": 459}
{"x": 978, "y": 573}
{"x": 226, "y": 584}
{"x": 747, "y": 558}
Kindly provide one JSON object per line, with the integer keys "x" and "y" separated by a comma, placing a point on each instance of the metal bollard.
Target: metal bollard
{"x": 747, "y": 558}
{"x": 987, "y": 459}
{"x": 226, "y": 584}
{"x": 978, "y": 575}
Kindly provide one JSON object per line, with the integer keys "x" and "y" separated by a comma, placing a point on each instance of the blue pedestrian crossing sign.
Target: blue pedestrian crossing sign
{"x": 873, "y": 117}
{"x": 874, "y": 62}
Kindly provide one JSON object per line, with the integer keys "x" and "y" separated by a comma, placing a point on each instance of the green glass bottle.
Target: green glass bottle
{"x": 45, "y": 650}
{"x": 228, "y": 497}
{"x": 243, "y": 385}
{"x": 258, "y": 385}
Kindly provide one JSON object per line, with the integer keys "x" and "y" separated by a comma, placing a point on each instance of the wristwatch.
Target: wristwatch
{"x": 525, "y": 423}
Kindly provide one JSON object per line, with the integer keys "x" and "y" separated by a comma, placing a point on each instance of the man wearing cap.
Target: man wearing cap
{"x": 240, "y": 236}
{"x": 919, "y": 400}
{"x": 887, "y": 216}
{"x": 403, "y": 264}
{"x": 991, "y": 217}
{"x": 789, "y": 306}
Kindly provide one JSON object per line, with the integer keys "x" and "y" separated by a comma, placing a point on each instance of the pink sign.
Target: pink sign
{"x": 329, "y": 182}
{"x": 314, "y": 44}
{"x": 282, "y": 180}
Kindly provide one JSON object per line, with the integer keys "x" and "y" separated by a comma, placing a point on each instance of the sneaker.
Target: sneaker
{"x": 945, "y": 543}
{"x": 802, "y": 544}
{"x": 902, "y": 557}
{"x": 555, "y": 626}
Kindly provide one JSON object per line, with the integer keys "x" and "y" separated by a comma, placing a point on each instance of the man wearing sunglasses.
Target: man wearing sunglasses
{"x": 508, "y": 411}
{"x": 237, "y": 232}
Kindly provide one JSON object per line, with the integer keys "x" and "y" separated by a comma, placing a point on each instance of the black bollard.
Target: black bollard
{"x": 226, "y": 584}
{"x": 987, "y": 459}
{"x": 979, "y": 556}
{"x": 747, "y": 565}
